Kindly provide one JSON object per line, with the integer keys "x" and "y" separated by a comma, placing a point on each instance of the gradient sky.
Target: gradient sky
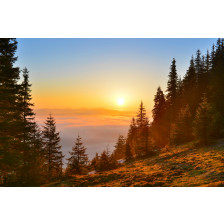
{"x": 93, "y": 73}
{"x": 80, "y": 80}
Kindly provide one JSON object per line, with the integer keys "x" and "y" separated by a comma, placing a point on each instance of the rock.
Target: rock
{"x": 92, "y": 172}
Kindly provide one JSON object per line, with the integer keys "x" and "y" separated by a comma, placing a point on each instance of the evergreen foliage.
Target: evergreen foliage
{"x": 143, "y": 144}
{"x": 206, "y": 121}
{"x": 78, "y": 157}
{"x": 27, "y": 129}
{"x": 52, "y": 149}
{"x": 192, "y": 109}
{"x": 119, "y": 151}
{"x": 172, "y": 84}
{"x": 181, "y": 130}
{"x": 159, "y": 123}
{"x": 128, "y": 153}
{"x": 10, "y": 114}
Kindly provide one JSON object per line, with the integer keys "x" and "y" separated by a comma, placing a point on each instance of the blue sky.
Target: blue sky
{"x": 53, "y": 54}
{"x": 70, "y": 74}
{"x": 95, "y": 65}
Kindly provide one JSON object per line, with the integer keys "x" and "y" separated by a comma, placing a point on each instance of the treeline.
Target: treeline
{"x": 78, "y": 162}
{"x": 137, "y": 144}
{"x": 29, "y": 156}
{"x": 192, "y": 108}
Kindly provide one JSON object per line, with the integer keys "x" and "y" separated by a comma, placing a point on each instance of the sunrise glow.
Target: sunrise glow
{"x": 120, "y": 101}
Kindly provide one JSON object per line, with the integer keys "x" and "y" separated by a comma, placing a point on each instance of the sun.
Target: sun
{"x": 120, "y": 101}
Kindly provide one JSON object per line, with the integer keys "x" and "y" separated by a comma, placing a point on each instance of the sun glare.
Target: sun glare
{"x": 120, "y": 101}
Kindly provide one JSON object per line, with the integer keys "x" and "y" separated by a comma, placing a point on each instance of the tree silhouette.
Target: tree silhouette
{"x": 205, "y": 122}
{"x": 128, "y": 153}
{"x": 28, "y": 127}
{"x": 52, "y": 149}
{"x": 142, "y": 141}
{"x": 120, "y": 147}
{"x": 10, "y": 114}
{"x": 181, "y": 130}
{"x": 159, "y": 105}
{"x": 159, "y": 124}
{"x": 78, "y": 158}
{"x": 172, "y": 84}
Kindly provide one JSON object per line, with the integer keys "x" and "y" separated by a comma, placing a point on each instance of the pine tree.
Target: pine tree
{"x": 52, "y": 149}
{"x": 216, "y": 91}
{"x": 212, "y": 56}
{"x": 10, "y": 114}
{"x": 172, "y": 84}
{"x": 179, "y": 86}
{"x": 207, "y": 62}
{"x": 119, "y": 147}
{"x": 38, "y": 167}
{"x": 26, "y": 105}
{"x": 190, "y": 78}
{"x": 95, "y": 162}
{"x": 143, "y": 143}
{"x": 78, "y": 158}
{"x": 198, "y": 62}
{"x": 141, "y": 116}
{"x": 112, "y": 161}
{"x": 132, "y": 135}
{"x": 205, "y": 122}
{"x": 159, "y": 125}
{"x": 28, "y": 126}
{"x": 190, "y": 88}
{"x": 104, "y": 161}
{"x": 128, "y": 153}
{"x": 181, "y": 130}
{"x": 159, "y": 105}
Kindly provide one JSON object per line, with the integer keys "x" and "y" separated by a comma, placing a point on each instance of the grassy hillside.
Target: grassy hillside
{"x": 182, "y": 166}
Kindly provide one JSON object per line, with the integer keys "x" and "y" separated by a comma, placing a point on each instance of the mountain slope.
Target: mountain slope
{"x": 182, "y": 166}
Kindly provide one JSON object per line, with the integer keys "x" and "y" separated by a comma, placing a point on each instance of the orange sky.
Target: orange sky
{"x": 96, "y": 91}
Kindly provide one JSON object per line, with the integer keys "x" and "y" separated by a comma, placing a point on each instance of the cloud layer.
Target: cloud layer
{"x": 98, "y": 128}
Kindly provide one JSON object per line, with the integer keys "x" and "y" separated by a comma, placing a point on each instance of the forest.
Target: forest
{"x": 189, "y": 110}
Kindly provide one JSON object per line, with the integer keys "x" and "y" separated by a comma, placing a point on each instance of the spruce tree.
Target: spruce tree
{"x": 181, "y": 130}
{"x": 132, "y": 135}
{"x": 159, "y": 105}
{"x": 52, "y": 149}
{"x": 128, "y": 153}
{"x": 205, "y": 122}
{"x": 119, "y": 147}
{"x": 212, "y": 56}
{"x": 104, "y": 161}
{"x": 143, "y": 143}
{"x": 190, "y": 88}
{"x": 26, "y": 106}
{"x": 159, "y": 124}
{"x": 207, "y": 62}
{"x": 78, "y": 157}
{"x": 95, "y": 162}
{"x": 172, "y": 84}
{"x": 10, "y": 113}
{"x": 179, "y": 86}
{"x": 216, "y": 93}
{"x": 112, "y": 161}
{"x": 38, "y": 169}
{"x": 141, "y": 116}
{"x": 198, "y": 62}
{"x": 28, "y": 127}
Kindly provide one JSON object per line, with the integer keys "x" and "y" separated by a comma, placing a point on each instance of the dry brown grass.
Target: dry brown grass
{"x": 182, "y": 166}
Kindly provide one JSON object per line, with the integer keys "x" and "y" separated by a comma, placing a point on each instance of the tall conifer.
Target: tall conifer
{"x": 52, "y": 149}
{"x": 78, "y": 157}
{"x": 10, "y": 113}
{"x": 172, "y": 84}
